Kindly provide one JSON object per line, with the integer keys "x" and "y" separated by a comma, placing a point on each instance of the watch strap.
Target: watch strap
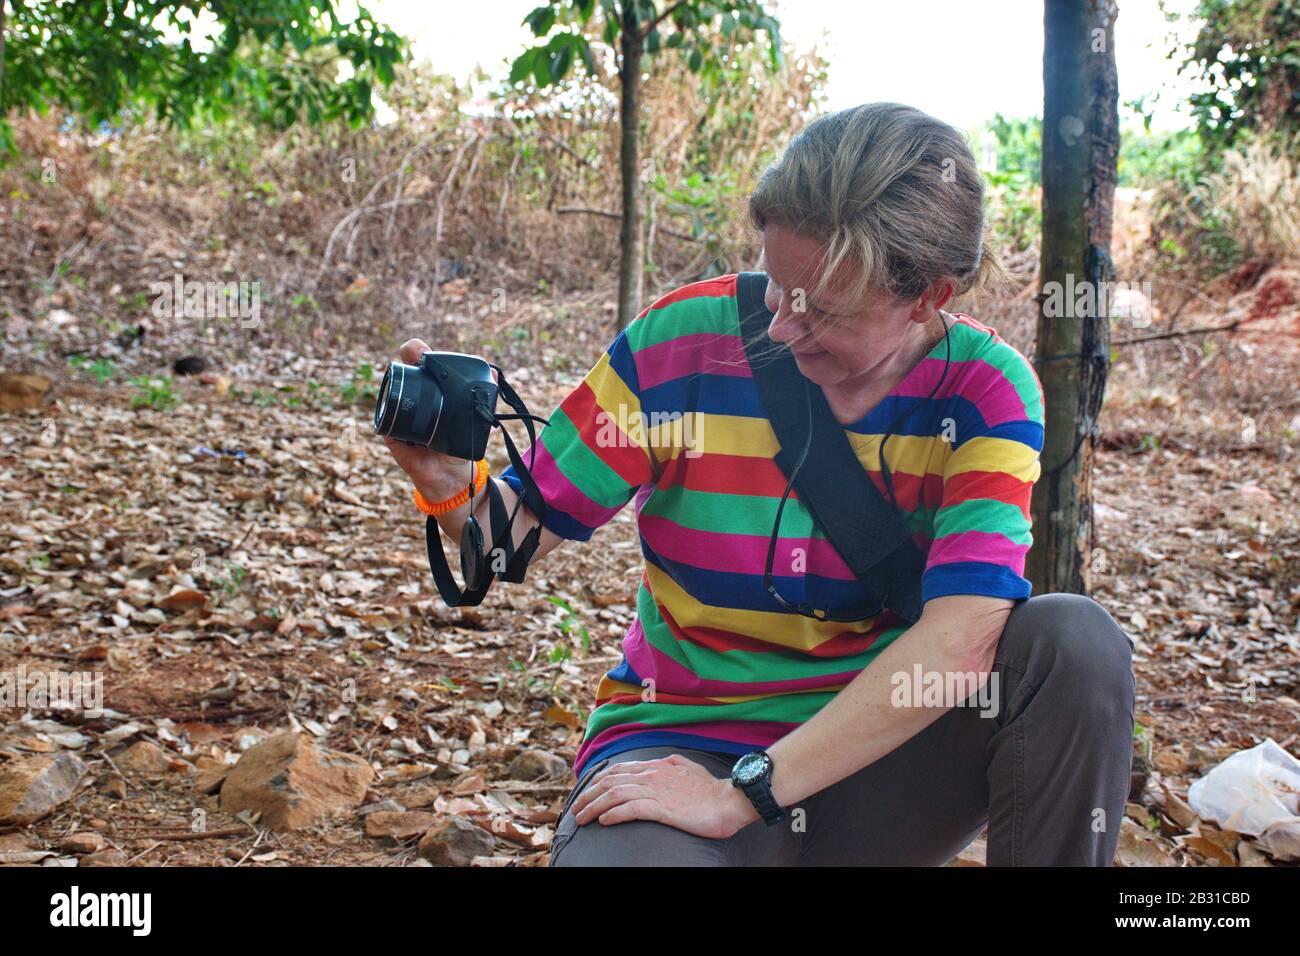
{"x": 760, "y": 795}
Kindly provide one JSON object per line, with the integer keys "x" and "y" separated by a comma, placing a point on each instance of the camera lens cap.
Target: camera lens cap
{"x": 472, "y": 563}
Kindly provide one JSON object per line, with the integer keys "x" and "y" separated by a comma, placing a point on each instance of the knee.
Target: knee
{"x": 1077, "y": 634}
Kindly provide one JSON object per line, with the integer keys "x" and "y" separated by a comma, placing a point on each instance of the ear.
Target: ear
{"x": 932, "y": 300}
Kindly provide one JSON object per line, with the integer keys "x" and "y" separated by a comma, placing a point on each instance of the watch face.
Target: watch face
{"x": 750, "y": 768}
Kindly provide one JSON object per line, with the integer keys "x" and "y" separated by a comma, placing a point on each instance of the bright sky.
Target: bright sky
{"x": 959, "y": 60}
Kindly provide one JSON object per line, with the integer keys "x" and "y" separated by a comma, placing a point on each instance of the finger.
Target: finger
{"x": 623, "y": 766}
{"x": 610, "y": 799}
{"x": 411, "y": 351}
{"x": 641, "y": 809}
{"x": 595, "y": 789}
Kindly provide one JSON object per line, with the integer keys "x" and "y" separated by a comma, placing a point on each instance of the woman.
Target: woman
{"x": 738, "y": 730}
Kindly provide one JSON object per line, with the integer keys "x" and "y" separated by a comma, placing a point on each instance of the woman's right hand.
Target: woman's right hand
{"x": 436, "y": 476}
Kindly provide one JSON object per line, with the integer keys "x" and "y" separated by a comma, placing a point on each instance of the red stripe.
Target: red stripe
{"x": 989, "y": 485}
{"x": 721, "y": 286}
{"x": 626, "y": 458}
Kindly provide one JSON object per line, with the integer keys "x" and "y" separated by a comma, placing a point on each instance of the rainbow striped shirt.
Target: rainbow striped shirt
{"x": 670, "y": 416}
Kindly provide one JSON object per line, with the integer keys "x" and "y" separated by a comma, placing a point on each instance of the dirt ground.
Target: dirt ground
{"x": 248, "y": 560}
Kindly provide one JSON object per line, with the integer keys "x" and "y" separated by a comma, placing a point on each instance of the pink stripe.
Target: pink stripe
{"x": 671, "y": 677}
{"x": 998, "y": 400}
{"x": 561, "y": 493}
{"x": 987, "y": 547}
{"x": 714, "y": 353}
{"x": 740, "y": 553}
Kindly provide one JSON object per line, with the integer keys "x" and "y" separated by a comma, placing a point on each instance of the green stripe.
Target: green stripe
{"x": 974, "y": 345}
{"x": 982, "y": 514}
{"x": 790, "y": 708}
{"x": 582, "y": 466}
{"x": 702, "y": 313}
{"x": 730, "y": 514}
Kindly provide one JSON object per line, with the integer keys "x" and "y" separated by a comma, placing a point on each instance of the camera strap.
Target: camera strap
{"x": 515, "y": 559}
{"x": 862, "y": 526}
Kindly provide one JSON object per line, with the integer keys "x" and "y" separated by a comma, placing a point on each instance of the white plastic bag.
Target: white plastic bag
{"x": 1256, "y": 792}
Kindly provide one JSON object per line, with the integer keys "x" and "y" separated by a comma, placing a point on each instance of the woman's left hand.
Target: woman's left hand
{"x": 672, "y": 790}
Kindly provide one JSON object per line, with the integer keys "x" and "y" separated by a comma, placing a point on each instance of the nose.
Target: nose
{"x": 785, "y": 326}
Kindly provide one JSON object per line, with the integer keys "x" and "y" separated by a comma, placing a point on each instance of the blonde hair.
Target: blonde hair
{"x": 892, "y": 191}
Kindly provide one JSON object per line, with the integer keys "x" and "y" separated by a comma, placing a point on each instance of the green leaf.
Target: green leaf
{"x": 540, "y": 20}
{"x": 522, "y": 66}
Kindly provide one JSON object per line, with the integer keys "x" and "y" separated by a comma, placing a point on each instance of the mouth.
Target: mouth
{"x": 808, "y": 353}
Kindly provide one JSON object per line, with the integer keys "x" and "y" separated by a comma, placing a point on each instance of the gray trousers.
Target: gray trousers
{"x": 1048, "y": 773}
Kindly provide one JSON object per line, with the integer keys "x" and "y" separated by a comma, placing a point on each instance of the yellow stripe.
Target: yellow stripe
{"x": 736, "y": 435}
{"x": 777, "y": 628}
{"x": 996, "y": 454}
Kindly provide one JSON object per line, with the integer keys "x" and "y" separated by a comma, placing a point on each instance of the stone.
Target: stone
{"x": 383, "y": 806}
{"x": 398, "y": 826}
{"x": 82, "y": 843}
{"x": 455, "y": 841}
{"x": 31, "y": 788}
{"x": 294, "y": 784}
{"x": 537, "y": 765}
{"x": 20, "y": 390}
{"x": 104, "y": 858}
{"x": 209, "y": 780}
{"x": 143, "y": 758}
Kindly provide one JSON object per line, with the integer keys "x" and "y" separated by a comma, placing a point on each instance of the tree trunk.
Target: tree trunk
{"x": 630, "y": 273}
{"x": 1080, "y": 146}
{"x": 3, "y": 112}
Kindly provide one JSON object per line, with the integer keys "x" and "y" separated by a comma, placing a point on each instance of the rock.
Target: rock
{"x": 398, "y": 826}
{"x": 390, "y": 806}
{"x": 209, "y": 780}
{"x": 421, "y": 797}
{"x": 190, "y": 365}
{"x": 18, "y": 842}
{"x": 293, "y": 784}
{"x": 31, "y": 788}
{"x": 209, "y": 774}
{"x": 537, "y": 765}
{"x": 455, "y": 841}
{"x": 19, "y": 390}
{"x": 82, "y": 843}
{"x": 144, "y": 758}
{"x": 104, "y": 858}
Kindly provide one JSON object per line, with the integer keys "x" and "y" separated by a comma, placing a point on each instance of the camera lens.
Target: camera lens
{"x": 408, "y": 406}
{"x": 390, "y": 391}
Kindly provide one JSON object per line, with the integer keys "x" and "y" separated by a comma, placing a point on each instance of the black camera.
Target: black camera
{"x": 447, "y": 403}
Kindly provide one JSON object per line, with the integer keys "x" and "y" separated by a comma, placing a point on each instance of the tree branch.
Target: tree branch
{"x": 641, "y": 35}
{"x": 613, "y": 215}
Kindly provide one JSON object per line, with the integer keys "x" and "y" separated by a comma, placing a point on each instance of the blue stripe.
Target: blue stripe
{"x": 561, "y": 523}
{"x": 745, "y": 592}
{"x": 659, "y": 738}
{"x": 973, "y": 577}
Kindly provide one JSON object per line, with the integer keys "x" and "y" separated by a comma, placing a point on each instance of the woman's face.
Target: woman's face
{"x": 834, "y": 340}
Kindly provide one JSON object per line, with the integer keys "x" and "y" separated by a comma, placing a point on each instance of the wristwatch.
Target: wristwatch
{"x": 752, "y": 773}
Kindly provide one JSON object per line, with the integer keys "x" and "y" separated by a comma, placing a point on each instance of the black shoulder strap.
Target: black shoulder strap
{"x": 863, "y": 527}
